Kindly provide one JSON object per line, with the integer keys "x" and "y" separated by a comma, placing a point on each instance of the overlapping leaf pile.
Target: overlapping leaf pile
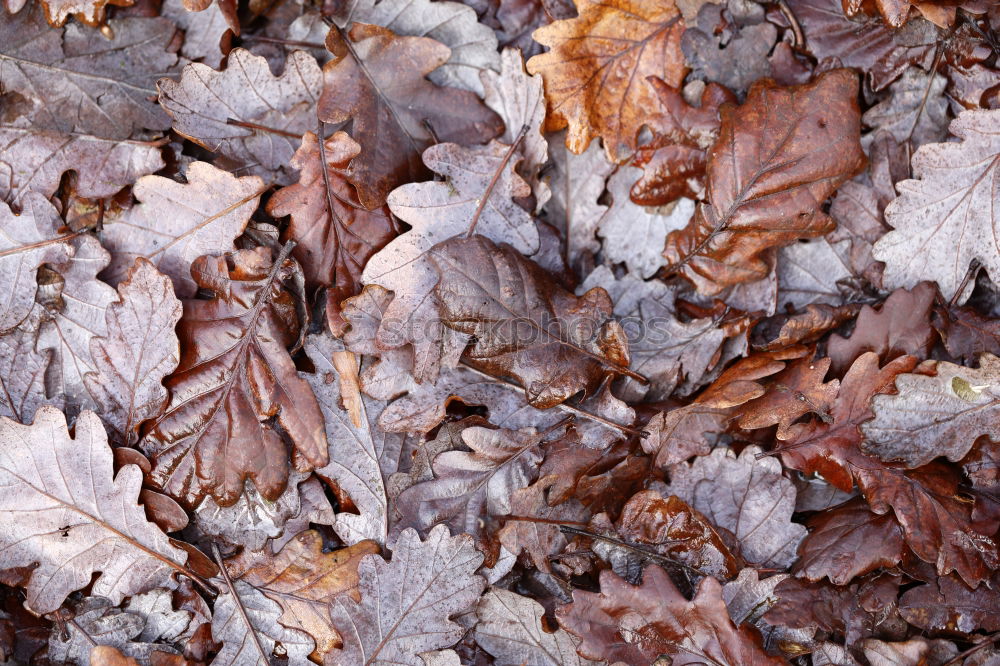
{"x": 506, "y": 332}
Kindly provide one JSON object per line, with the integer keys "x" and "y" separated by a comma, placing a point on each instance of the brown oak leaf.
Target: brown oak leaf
{"x": 777, "y": 159}
{"x": 234, "y": 376}
{"x": 597, "y": 67}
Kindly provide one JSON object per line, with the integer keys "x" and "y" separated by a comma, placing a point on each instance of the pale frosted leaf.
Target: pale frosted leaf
{"x": 256, "y": 643}
{"x": 62, "y": 507}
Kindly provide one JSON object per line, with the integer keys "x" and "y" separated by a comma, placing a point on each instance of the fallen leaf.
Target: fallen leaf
{"x": 511, "y": 629}
{"x": 637, "y": 624}
{"x": 763, "y": 192}
{"x": 71, "y": 511}
{"x": 438, "y": 211}
{"x": 473, "y": 45}
{"x": 597, "y": 66}
{"x": 377, "y": 80}
{"x": 204, "y": 100}
{"x": 335, "y": 235}
{"x": 533, "y": 527}
{"x": 407, "y": 603}
{"x": 22, "y": 369}
{"x": 247, "y": 625}
{"x": 794, "y": 392}
{"x": 572, "y": 343}
{"x": 80, "y": 82}
{"x": 935, "y": 416}
{"x": 747, "y": 496}
{"x": 38, "y": 159}
{"x": 96, "y": 622}
{"x": 943, "y": 219}
{"x": 139, "y": 350}
{"x": 735, "y": 57}
{"x": 673, "y": 162}
{"x": 235, "y": 374}
{"x": 916, "y": 110}
{"x": 206, "y": 214}
{"x": 948, "y": 605}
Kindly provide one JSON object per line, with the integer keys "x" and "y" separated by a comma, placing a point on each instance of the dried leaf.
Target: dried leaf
{"x": 139, "y": 350}
{"x": 377, "y": 79}
{"x": 205, "y": 215}
{"x": 235, "y": 375}
{"x": 95, "y": 622}
{"x": 75, "y": 301}
{"x": 847, "y": 542}
{"x": 247, "y": 624}
{"x": 303, "y": 581}
{"x": 936, "y": 416}
{"x": 335, "y": 236}
{"x": 37, "y": 159}
{"x": 795, "y": 391}
{"x": 748, "y": 497}
{"x": 407, "y": 604}
{"x": 80, "y": 82}
{"x": 72, "y": 518}
{"x": 438, "y": 211}
{"x": 572, "y": 342}
{"x": 948, "y": 605}
{"x": 22, "y": 369}
{"x": 944, "y": 218}
{"x": 916, "y": 110}
{"x": 468, "y": 487}
{"x": 27, "y": 241}
{"x": 597, "y": 66}
{"x": 734, "y": 57}
{"x": 637, "y": 624}
{"x": 673, "y": 162}
{"x": 473, "y": 45}
{"x": 539, "y": 538}
{"x": 510, "y": 628}
{"x": 766, "y": 186}
{"x": 203, "y": 101}
{"x": 362, "y": 456}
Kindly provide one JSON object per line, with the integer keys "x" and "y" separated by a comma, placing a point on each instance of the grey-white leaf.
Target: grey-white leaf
{"x": 61, "y": 506}
{"x": 97, "y": 622}
{"x": 510, "y": 628}
{"x": 936, "y": 416}
{"x": 203, "y": 31}
{"x": 162, "y": 622}
{"x": 362, "y": 455}
{"x": 749, "y": 497}
{"x": 748, "y": 598}
{"x": 254, "y": 644}
{"x": 203, "y": 100}
{"x": 810, "y": 272}
{"x": 473, "y": 45}
{"x": 635, "y": 235}
{"x": 76, "y": 301}
{"x": 520, "y": 101}
{"x": 27, "y": 241}
{"x": 916, "y": 109}
{"x": 576, "y": 183}
{"x": 33, "y": 160}
{"x": 140, "y": 349}
{"x": 22, "y": 369}
{"x": 407, "y": 604}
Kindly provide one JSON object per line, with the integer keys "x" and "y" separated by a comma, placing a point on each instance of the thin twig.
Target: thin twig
{"x": 973, "y": 269}
{"x": 239, "y": 604}
{"x": 563, "y": 406}
{"x": 262, "y": 128}
{"x": 798, "y": 37}
{"x": 651, "y": 554}
{"x": 286, "y": 42}
{"x": 927, "y": 91}
{"x": 493, "y": 181}
{"x": 958, "y": 658}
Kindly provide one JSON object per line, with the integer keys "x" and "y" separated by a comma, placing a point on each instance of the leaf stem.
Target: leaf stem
{"x": 493, "y": 181}
{"x": 261, "y": 128}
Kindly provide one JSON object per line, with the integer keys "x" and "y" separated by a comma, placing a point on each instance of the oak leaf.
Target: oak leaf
{"x": 597, "y": 66}
{"x": 638, "y": 624}
{"x": 362, "y": 455}
{"x": 22, "y": 369}
{"x": 749, "y": 497}
{"x": 73, "y": 518}
{"x": 673, "y": 162}
{"x": 935, "y": 416}
{"x": 794, "y": 392}
{"x": 407, "y": 603}
{"x": 335, "y": 235}
{"x": 204, "y": 100}
{"x": 80, "y": 82}
{"x": 734, "y": 56}
{"x": 533, "y": 527}
{"x": 473, "y": 45}
{"x": 303, "y": 580}
{"x": 235, "y": 374}
{"x": 208, "y": 212}
{"x": 438, "y": 211}
{"x": 511, "y": 629}
{"x": 944, "y": 218}
{"x": 96, "y": 622}
{"x": 572, "y": 342}
{"x": 377, "y": 80}
{"x": 27, "y": 241}
{"x": 778, "y": 157}
{"x": 37, "y": 159}
{"x": 248, "y": 626}
{"x": 139, "y": 350}
{"x": 948, "y": 604}
{"x": 916, "y": 110}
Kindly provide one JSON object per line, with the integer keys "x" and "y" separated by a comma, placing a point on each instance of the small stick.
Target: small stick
{"x": 262, "y": 128}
